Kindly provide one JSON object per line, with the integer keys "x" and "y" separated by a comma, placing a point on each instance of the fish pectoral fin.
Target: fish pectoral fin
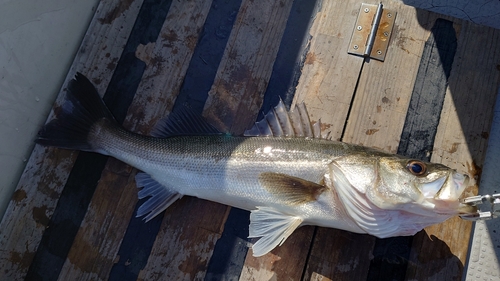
{"x": 272, "y": 226}
{"x": 372, "y": 219}
{"x": 292, "y": 190}
{"x": 161, "y": 196}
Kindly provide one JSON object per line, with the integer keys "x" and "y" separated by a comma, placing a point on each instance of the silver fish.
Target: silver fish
{"x": 282, "y": 171}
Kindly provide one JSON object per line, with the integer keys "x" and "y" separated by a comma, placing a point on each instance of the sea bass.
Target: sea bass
{"x": 282, "y": 171}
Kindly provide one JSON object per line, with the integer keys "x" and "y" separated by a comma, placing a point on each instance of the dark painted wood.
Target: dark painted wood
{"x": 230, "y": 251}
{"x": 291, "y": 55}
{"x": 207, "y": 55}
{"x": 68, "y": 215}
{"x": 82, "y": 182}
{"x": 391, "y": 255}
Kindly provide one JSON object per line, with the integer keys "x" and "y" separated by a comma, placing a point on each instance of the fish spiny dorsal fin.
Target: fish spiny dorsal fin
{"x": 183, "y": 122}
{"x": 279, "y": 122}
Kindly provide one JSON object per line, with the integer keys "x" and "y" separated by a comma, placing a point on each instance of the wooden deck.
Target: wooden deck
{"x": 72, "y": 216}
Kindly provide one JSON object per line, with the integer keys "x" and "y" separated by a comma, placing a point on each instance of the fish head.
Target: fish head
{"x": 419, "y": 187}
{"x": 389, "y": 195}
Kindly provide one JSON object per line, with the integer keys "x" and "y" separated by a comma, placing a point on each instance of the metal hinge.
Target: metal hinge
{"x": 372, "y": 32}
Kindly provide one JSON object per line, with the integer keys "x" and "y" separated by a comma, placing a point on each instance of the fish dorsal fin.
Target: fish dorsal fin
{"x": 272, "y": 227}
{"x": 279, "y": 122}
{"x": 161, "y": 197}
{"x": 291, "y": 189}
{"x": 183, "y": 122}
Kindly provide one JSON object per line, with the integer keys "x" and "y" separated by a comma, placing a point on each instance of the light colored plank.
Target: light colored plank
{"x": 330, "y": 38}
{"x": 379, "y": 110}
{"x": 283, "y": 263}
{"x": 185, "y": 241}
{"x": 376, "y": 120}
{"x": 380, "y": 85}
{"x": 329, "y": 74}
{"x": 461, "y": 142}
{"x": 47, "y": 169}
{"x": 167, "y": 62}
{"x": 339, "y": 255}
{"x": 235, "y": 98}
{"x": 247, "y": 64}
{"x": 98, "y": 240}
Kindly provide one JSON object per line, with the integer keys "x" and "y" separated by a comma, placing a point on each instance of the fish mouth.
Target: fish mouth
{"x": 447, "y": 198}
{"x": 466, "y": 209}
{"x": 453, "y": 187}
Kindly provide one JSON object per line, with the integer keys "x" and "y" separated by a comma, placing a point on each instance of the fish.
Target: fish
{"x": 282, "y": 170}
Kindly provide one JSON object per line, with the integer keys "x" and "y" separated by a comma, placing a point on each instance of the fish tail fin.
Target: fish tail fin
{"x": 75, "y": 119}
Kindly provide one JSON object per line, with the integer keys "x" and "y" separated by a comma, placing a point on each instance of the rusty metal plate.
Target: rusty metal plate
{"x": 362, "y": 28}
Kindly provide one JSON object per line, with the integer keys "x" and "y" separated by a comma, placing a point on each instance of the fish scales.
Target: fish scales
{"x": 282, "y": 171}
{"x": 200, "y": 165}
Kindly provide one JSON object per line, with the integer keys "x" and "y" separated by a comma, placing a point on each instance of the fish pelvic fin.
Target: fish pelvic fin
{"x": 81, "y": 110}
{"x": 293, "y": 190}
{"x": 161, "y": 197}
{"x": 272, "y": 227}
{"x": 279, "y": 122}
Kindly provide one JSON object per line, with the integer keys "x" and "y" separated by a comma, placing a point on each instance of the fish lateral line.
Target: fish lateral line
{"x": 332, "y": 191}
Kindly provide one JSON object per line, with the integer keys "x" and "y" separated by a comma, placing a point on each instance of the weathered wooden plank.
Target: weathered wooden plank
{"x": 47, "y": 170}
{"x": 376, "y": 119}
{"x": 227, "y": 264}
{"x": 242, "y": 74}
{"x": 327, "y": 48}
{"x": 247, "y": 65}
{"x": 283, "y": 263}
{"x": 191, "y": 227}
{"x": 391, "y": 255}
{"x": 441, "y": 250}
{"x": 379, "y": 109}
{"x": 339, "y": 255}
{"x": 329, "y": 74}
{"x": 91, "y": 257}
{"x": 185, "y": 242}
{"x": 95, "y": 245}
{"x": 291, "y": 56}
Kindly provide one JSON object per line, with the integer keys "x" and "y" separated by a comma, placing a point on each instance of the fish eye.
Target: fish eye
{"x": 418, "y": 168}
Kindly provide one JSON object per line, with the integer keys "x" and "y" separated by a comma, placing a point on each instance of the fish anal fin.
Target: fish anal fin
{"x": 272, "y": 227}
{"x": 161, "y": 197}
{"x": 292, "y": 190}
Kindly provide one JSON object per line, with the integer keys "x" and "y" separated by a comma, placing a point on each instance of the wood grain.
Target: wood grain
{"x": 339, "y": 255}
{"x": 318, "y": 78}
{"x": 376, "y": 119}
{"x": 362, "y": 102}
{"x": 243, "y": 74}
{"x": 460, "y": 143}
{"x": 47, "y": 169}
{"x": 233, "y": 101}
{"x": 95, "y": 249}
{"x": 329, "y": 74}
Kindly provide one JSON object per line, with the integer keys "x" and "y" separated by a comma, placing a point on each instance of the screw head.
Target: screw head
{"x": 389, "y": 15}
{"x": 366, "y": 10}
{"x": 355, "y": 47}
{"x": 379, "y": 52}
{"x": 386, "y": 34}
{"x": 359, "y": 27}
